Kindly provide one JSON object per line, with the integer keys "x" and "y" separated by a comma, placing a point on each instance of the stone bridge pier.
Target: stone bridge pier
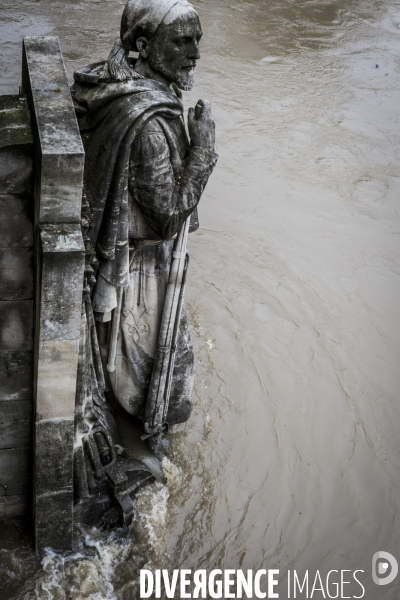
{"x": 41, "y": 278}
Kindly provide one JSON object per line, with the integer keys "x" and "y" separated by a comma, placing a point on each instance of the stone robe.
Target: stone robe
{"x": 141, "y": 185}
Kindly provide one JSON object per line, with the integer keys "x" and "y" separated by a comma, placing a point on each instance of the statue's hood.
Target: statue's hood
{"x": 90, "y": 92}
{"x": 110, "y": 116}
{"x": 146, "y": 15}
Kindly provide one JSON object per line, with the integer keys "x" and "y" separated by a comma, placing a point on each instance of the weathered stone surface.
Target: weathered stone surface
{"x": 16, "y": 325}
{"x": 60, "y": 316}
{"x": 15, "y": 471}
{"x": 61, "y": 238}
{"x": 16, "y": 273}
{"x": 54, "y": 455}
{"x": 16, "y": 305}
{"x": 16, "y": 170}
{"x": 61, "y": 195}
{"x": 62, "y": 282}
{"x": 53, "y": 483}
{"x": 57, "y": 367}
{"x": 16, "y": 375}
{"x": 59, "y": 160}
{"x": 16, "y": 146}
{"x": 54, "y": 521}
{"x": 15, "y": 121}
{"x": 14, "y": 506}
{"x": 61, "y": 150}
{"x": 16, "y": 424}
{"x": 16, "y": 220}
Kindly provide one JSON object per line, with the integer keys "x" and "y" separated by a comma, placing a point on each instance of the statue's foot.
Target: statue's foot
{"x": 155, "y": 446}
{"x": 109, "y": 519}
{"x": 108, "y": 482}
{"x": 109, "y": 501}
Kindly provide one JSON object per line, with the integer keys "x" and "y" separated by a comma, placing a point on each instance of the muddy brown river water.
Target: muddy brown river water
{"x": 291, "y": 459}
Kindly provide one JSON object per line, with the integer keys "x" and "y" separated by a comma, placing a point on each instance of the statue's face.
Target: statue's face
{"x": 174, "y": 48}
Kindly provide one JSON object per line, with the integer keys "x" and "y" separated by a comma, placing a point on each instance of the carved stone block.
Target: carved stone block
{"x": 16, "y": 273}
{"x": 61, "y": 152}
{"x": 53, "y": 521}
{"x": 16, "y": 325}
{"x": 53, "y": 483}
{"x": 59, "y": 321}
{"x": 57, "y": 365}
{"x": 54, "y": 455}
{"x": 16, "y": 146}
{"x": 15, "y": 121}
{"x": 14, "y": 506}
{"x": 16, "y": 220}
{"x": 62, "y": 282}
{"x": 16, "y": 170}
{"x": 15, "y": 424}
{"x": 15, "y": 471}
{"x": 16, "y": 375}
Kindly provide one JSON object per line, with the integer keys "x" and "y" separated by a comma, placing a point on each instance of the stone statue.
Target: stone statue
{"x": 144, "y": 177}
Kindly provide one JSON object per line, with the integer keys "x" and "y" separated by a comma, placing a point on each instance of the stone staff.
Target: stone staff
{"x": 114, "y": 332}
{"x": 160, "y": 384}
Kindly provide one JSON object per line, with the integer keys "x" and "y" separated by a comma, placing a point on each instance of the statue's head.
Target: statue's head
{"x": 166, "y": 33}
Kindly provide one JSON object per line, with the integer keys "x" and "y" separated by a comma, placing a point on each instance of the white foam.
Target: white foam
{"x": 151, "y": 508}
{"x": 90, "y": 572}
{"x": 84, "y": 574}
{"x": 270, "y": 59}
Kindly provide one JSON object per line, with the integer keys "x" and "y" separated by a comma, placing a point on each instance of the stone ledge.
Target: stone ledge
{"x": 61, "y": 154}
{"x": 61, "y": 237}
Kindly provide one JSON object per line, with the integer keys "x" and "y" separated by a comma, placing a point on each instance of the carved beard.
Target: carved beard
{"x": 183, "y": 78}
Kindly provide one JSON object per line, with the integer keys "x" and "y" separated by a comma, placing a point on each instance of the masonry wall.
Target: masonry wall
{"x": 16, "y": 307}
{"x": 42, "y": 257}
{"x": 59, "y": 269}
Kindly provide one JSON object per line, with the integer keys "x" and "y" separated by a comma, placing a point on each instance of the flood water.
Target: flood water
{"x": 291, "y": 459}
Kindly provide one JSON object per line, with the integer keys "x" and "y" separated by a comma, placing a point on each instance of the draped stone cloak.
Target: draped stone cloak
{"x": 127, "y": 226}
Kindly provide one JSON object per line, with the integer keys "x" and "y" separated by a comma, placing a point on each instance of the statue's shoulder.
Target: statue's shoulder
{"x": 91, "y": 92}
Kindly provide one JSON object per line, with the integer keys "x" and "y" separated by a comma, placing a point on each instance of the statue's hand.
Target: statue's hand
{"x": 201, "y": 125}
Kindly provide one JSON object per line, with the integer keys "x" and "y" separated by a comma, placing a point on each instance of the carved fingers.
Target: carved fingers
{"x": 201, "y": 125}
